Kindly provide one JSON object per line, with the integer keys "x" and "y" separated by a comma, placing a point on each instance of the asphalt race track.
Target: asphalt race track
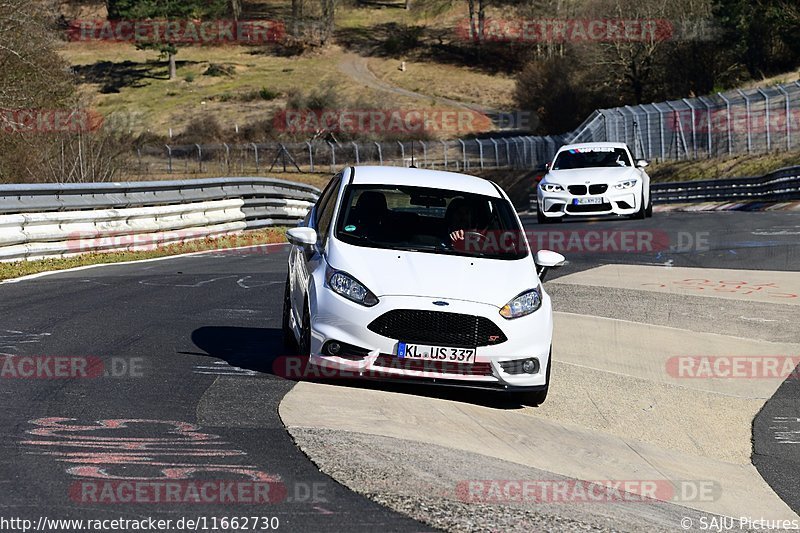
{"x": 180, "y": 383}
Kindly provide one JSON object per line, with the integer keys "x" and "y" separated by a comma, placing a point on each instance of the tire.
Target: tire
{"x": 649, "y": 211}
{"x": 642, "y": 212}
{"x": 304, "y": 346}
{"x": 534, "y": 398}
{"x": 541, "y": 219}
{"x": 289, "y": 340}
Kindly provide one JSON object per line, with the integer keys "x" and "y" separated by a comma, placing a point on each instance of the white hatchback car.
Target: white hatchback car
{"x": 592, "y": 179}
{"x": 401, "y": 273}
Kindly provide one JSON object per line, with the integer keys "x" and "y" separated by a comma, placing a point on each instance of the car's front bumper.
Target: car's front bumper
{"x": 614, "y": 202}
{"x": 336, "y": 318}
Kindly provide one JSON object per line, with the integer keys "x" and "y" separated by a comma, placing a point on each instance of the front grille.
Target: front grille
{"x": 434, "y": 367}
{"x": 588, "y": 208}
{"x": 577, "y": 189}
{"x": 437, "y": 328}
{"x": 598, "y": 188}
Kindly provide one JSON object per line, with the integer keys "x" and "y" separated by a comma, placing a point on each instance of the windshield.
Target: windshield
{"x": 430, "y": 220}
{"x": 592, "y": 158}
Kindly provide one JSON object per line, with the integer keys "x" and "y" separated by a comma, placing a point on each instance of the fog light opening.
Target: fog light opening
{"x": 530, "y": 366}
{"x": 333, "y": 348}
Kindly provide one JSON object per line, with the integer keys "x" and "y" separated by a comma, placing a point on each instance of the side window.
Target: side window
{"x": 325, "y": 208}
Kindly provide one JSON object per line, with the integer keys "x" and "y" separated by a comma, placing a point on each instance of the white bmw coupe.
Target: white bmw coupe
{"x": 594, "y": 179}
{"x": 401, "y": 273}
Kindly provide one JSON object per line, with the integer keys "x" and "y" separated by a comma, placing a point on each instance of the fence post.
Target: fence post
{"x": 464, "y": 154}
{"x": 480, "y": 150}
{"x": 766, "y": 118}
{"x": 747, "y": 109}
{"x": 661, "y": 124}
{"x": 380, "y": 154}
{"x": 333, "y": 156}
{"x": 788, "y": 118}
{"x": 227, "y": 157}
{"x": 199, "y": 157}
{"x": 424, "y": 154}
{"x": 444, "y": 147}
{"x": 694, "y": 129}
{"x": 310, "y": 156}
{"x": 708, "y": 124}
{"x": 508, "y": 153}
{"x": 649, "y": 135}
{"x": 255, "y": 149}
{"x": 624, "y": 125}
{"x": 355, "y": 146}
{"x": 496, "y": 158}
{"x": 402, "y": 154}
{"x": 169, "y": 156}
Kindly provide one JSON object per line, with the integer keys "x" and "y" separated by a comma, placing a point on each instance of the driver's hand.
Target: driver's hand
{"x": 457, "y": 235}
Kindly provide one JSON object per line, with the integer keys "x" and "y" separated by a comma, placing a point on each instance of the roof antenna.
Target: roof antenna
{"x": 412, "y": 156}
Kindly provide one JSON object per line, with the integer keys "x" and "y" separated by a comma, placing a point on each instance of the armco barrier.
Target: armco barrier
{"x": 779, "y": 186}
{"x": 53, "y": 220}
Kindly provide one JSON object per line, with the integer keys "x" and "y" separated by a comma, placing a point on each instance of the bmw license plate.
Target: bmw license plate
{"x": 435, "y": 353}
{"x": 587, "y": 201}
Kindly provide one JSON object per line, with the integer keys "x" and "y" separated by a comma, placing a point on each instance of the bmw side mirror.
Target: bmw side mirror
{"x": 302, "y": 236}
{"x": 642, "y": 163}
{"x": 545, "y": 260}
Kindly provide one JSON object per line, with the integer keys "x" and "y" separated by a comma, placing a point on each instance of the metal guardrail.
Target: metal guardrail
{"x": 782, "y": 185}
{"x": 46, "y": 220}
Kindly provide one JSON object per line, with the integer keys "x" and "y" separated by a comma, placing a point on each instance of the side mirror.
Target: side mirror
{"x": 545, "y": 260}
{"x": 302, "y": 236}
{"x": 642, "y": 163}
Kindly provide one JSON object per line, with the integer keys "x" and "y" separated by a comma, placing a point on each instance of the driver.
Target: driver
{"x": 463, "y": 216}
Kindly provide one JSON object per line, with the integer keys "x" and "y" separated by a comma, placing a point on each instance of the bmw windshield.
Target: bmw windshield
{"x": 430, "y": 220}
{"x": 595, "y": 157}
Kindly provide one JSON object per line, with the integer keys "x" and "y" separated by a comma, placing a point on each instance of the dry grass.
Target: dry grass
{"x": 23, "y": 268}
{"x": 730, "y": 167}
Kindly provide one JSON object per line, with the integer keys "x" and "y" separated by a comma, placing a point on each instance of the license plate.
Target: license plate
{"x": 587, "y": 201}
{"x": 435, "y": 353}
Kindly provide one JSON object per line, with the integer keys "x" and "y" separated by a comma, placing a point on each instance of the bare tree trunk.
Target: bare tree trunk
{"x": 473, "y": 31}
{"x": 173, "y": 70}
{"x": 481, "y": 19}
{"x": 236, "y": 9}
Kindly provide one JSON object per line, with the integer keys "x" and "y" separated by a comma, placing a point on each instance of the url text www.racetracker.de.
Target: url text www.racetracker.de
{"x": 199, "y": 523}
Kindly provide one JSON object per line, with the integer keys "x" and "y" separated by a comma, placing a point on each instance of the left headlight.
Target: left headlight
{"x": 627, "y": 184}
{"x": 346, "y": 285}
{"x": 524, "y": 304}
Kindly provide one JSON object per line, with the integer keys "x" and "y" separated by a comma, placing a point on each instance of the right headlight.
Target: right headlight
{"x": 523, "y": 304}
{"x": 346, "y": 285}
{"x": 551, "y": 187}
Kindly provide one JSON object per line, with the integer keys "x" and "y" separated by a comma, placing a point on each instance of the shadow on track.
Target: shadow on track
{"x": 262, "y": 350}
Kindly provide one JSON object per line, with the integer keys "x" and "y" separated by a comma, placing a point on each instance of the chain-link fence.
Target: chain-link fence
{"x": 263, "y": 158}
{"x": 736, "y": 122}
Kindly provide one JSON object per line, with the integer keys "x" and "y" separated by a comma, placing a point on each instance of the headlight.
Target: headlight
{"x": 524, "y": 304}
{"x": 551, "y": 187}
{"x": 349, "y": 287}
{"x": 627, "y": 184}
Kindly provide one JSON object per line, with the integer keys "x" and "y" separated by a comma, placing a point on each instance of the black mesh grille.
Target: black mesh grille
{"x": 588, "y": 208}
{"x": 437, "y": 328}
{"x": 577, "y": 189}
{"x": 598, "y": 188}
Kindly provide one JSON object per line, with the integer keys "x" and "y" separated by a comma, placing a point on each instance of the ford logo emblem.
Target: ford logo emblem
{"x": 440, "y": 303}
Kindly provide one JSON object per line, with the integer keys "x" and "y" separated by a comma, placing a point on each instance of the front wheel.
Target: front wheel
{"x": 534, "y": 398}
{"x": 289, "y": 340}
{"x": 649, "y": 212}
{"x": 642, "y": 212}
{"x": 541, "y": 219}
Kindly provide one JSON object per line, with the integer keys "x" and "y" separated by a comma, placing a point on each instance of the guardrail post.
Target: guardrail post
{"x": 788, "y": 118}
{"x": 766, "y": 117}
{"x": 480, "y": 150}
{"x": 747, "y": 109}
{"x": 380, "y": 154}
{"x": 169, "y": 155}
{"x": 310, "y": 156}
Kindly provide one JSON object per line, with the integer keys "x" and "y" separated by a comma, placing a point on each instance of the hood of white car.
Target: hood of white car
{"x": 580, "y": 176}
{"x": 437, "y": 276}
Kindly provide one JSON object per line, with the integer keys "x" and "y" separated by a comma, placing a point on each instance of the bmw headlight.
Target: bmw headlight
{"x": 551, "y": 187}
{"x": 346, "y": 285}
{"x": 524, "y": 304}
{"x": 627, "y": 184}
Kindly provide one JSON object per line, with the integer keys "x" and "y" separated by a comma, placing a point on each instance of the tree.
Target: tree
{"x": 165, "y": 10}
